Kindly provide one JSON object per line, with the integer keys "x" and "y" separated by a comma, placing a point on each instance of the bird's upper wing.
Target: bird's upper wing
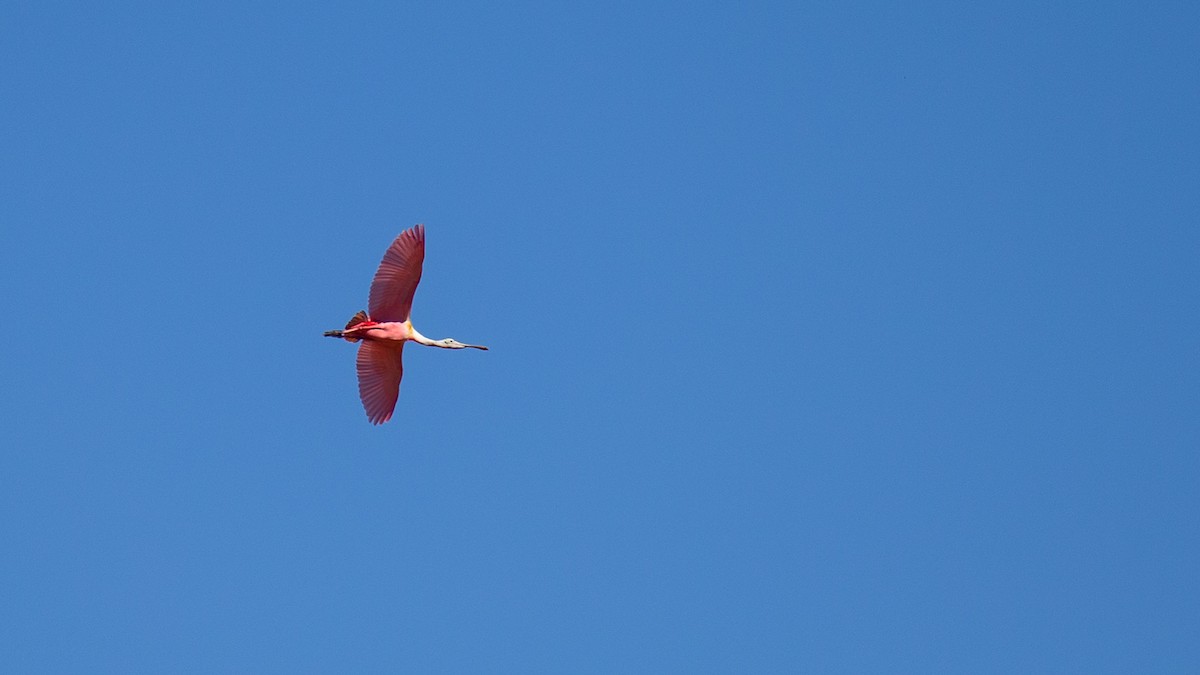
{"x": 397, "y": 277}
{"x": 379, "y": 372}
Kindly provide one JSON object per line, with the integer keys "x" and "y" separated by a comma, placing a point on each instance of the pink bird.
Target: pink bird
{"x": 388, "y": 325}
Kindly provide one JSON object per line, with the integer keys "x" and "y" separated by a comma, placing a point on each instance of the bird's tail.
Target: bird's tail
{"x": 354, "y": 321}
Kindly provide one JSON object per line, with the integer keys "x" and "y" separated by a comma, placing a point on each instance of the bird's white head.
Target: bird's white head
{"x": 451, "y": 343}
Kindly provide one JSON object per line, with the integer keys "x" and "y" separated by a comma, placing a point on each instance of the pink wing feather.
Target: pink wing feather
{"x": 397, "y": 277}
{"x": 379, "y": 372}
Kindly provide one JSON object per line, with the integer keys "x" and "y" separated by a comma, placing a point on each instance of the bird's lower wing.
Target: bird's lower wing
{"x": 379, "y": 373}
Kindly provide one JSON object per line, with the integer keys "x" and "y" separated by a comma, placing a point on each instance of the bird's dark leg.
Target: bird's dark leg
{"x": 333, "y": 333}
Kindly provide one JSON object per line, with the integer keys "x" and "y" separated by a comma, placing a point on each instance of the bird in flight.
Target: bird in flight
{"x": 387, "y": 325}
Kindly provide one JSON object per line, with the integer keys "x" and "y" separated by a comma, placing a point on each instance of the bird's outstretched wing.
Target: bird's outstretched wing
{"x": 379, "y": 372}
{"x": 397, "y": 277}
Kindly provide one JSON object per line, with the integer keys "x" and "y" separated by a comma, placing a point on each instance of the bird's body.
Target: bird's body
{"x": 386, "y": 331}
{"x": 388, "y": 325}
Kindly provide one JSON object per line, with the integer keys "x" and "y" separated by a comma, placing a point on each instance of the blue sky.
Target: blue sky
{"x": 825, "y": 337}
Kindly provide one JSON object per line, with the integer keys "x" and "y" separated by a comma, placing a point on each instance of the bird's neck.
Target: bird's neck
{"x": 421, "y": 339}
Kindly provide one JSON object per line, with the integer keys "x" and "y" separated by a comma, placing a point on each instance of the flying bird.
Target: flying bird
{"x": 387, "y": 324}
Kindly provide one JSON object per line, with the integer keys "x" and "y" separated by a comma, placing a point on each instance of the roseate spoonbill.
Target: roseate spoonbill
{"x": 387, "y": 325}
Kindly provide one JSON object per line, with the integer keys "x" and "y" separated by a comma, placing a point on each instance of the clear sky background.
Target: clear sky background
{"x": 825, "y": 337}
